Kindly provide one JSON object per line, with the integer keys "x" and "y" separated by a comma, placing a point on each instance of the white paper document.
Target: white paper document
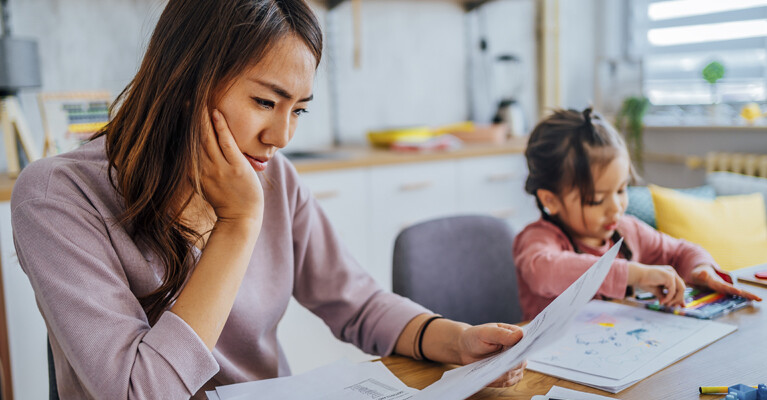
{"x": 611, "y": 346}
{"x": 546, "y": 328}
{"x": 557, "y": 392}
{"x": 341, "y": 380}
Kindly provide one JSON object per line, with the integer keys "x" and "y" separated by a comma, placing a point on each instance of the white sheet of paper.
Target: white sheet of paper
{"x": 546, "y": 328}
{"x": 569, "y": 394}
{"x": 707, "y": 332}
{"x": 339, "y": 380}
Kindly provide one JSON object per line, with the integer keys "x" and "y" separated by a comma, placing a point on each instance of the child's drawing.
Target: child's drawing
{"x": 613, "y": 340}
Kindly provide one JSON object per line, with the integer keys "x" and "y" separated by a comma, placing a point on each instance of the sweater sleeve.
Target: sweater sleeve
{"x": 657, "y": 248}
{"x": 93, "y": 316}
{"x": 549, "y": 265}
{"x": 331, "y": 284}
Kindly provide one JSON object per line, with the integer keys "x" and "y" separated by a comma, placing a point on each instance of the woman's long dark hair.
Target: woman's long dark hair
{"x": 562, "y": 150}
{"x": 153, "y": 141}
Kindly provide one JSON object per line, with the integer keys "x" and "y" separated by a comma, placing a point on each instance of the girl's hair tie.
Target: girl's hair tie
{"x": 587, "y": 117}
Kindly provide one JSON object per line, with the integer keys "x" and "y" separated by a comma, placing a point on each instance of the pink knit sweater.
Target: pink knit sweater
{"x": 87, "y": 273}
{"x": 547, "y": 263}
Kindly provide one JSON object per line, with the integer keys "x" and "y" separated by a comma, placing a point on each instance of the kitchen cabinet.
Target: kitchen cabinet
{"x": 402, "y": 195}
{"x": 496, "y": 186}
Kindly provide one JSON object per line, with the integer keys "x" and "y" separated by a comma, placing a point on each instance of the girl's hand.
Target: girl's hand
{"x": 705, "y": 275}
{"x": 482, "y": 341}
{"x": 660, "y": 280}
{"x": 229, "y": 182}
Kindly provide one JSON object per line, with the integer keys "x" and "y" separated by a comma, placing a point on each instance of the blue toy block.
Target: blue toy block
{"x": 743, "y": 392}
{"x": 761, "y": 393}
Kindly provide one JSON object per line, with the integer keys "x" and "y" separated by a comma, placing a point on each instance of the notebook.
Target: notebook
{"x": 748, "y": 274}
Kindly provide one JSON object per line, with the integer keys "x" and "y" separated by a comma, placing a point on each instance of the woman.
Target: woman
{"x": 163, "y": 252}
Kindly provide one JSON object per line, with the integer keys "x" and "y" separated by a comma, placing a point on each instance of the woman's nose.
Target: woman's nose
{"x": 277, "y": 133}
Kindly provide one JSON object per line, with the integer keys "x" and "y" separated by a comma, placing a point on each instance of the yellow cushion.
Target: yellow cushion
{"x": 732, "y": 228}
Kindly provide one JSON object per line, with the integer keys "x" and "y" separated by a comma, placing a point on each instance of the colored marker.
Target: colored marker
{"x": 716, "y": 389}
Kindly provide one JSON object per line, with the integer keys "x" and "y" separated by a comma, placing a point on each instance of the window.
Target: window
{"x": 676, "y": 39}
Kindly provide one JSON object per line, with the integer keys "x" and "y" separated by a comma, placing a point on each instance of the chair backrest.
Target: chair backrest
{"x": 53, "y": 392}
{"x": 461, "y": 267}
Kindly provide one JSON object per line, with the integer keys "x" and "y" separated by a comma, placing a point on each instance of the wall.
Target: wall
{"x": 577, "y": 52}
{"x": 99, "y": 44}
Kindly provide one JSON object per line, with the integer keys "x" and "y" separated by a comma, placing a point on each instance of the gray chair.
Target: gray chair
{"x": 461, "y": 267}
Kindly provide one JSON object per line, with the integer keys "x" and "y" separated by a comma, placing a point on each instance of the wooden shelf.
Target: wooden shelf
{"x": 468, "y": 5}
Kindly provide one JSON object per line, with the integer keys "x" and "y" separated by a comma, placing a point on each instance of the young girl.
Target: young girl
{"x": 578, "y": 172}
{"x": 163, "y": 252}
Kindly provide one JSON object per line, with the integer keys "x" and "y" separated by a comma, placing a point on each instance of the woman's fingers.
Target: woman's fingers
{"x": 511, "y": 377}
{"x": 210, "y": 138}
{"x": 226, "y": 143}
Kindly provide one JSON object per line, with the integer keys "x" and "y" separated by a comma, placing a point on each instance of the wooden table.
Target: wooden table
{"x": 740, "y": 357}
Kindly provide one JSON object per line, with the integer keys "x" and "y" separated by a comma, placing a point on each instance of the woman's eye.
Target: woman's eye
{"x": 595, "y": 202}
{"x": 300, "y": 112}
{"x": 268, "y": 104}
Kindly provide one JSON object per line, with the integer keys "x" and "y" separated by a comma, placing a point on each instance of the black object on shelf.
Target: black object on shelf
{"x": 19, "y": 59}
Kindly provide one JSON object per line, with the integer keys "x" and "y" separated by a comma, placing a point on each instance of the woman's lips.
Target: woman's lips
{"x": 257, "y": 163}
{"x": 611, "y": 227}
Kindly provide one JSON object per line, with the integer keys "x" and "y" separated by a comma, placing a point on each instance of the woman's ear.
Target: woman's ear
{"x": 550, "y": 201}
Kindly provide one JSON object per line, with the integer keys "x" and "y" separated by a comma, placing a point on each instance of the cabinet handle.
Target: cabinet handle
{"x": 501, "y": 177}
{"x": 327, "y": 194}
{"x": 504, "y": 213}
{"x": 411, "y": 187}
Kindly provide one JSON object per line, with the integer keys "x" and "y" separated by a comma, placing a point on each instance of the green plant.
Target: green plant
{"x": 630, "y": 121}
{"x": 713, "y": 72}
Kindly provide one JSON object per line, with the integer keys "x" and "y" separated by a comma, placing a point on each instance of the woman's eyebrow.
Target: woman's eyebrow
{"x": 279, "y": 91}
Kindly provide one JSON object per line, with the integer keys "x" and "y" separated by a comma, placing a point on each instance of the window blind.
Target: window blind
{"x": 676, "y": 39}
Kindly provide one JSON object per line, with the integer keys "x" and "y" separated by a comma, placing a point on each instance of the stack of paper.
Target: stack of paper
{"x": 341, "y": 380}
{"x": 612, "y": 346}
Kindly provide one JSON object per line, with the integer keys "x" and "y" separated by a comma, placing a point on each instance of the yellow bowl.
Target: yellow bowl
{"x": 385, "y": 138}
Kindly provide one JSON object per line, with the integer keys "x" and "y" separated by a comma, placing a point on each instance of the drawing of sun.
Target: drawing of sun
{"x": 606, "y": 320}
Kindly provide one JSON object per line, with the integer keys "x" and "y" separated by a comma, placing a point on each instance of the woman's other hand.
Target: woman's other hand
{"x": 706, "y": 275}
{"x": 229, "y": 182}
{"x": 482, "y": 341}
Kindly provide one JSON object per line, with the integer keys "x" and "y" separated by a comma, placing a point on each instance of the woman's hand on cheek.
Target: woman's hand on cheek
{"x": 229, "y": 182}
{"x": 482, "y": 341}
{"x": 705, "y": 275}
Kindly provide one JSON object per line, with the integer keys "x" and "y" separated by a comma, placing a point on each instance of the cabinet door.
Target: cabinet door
{"x": 343, "y": 195}
{"x": 402, "y": 195}
{"x": 306, "y": 340}
{"x": 27, "y": 333}
{"x": 496, "y": 186}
